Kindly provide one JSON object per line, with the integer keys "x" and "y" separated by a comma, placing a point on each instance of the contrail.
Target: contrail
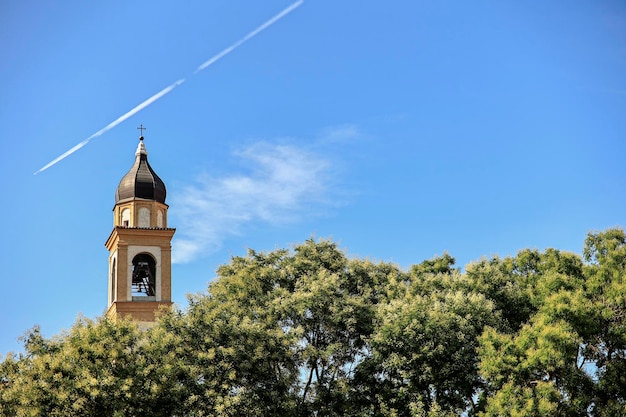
{"x": 111, "y": 125}
{"x": 249, "y": 36}
{"x": 169, "y": 88}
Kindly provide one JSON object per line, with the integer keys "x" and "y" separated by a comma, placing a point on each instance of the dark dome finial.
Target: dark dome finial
{"x": 141, "y": 181}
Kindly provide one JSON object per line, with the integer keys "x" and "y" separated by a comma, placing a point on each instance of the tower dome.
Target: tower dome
{"x": 141, "y": 181}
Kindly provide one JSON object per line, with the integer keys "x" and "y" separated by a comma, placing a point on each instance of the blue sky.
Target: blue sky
{"x": 399, "y": 129}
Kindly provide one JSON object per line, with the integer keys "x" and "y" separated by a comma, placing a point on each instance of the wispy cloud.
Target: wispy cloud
{"x": 169, "y": 88}
{"x": 114, "y": 123}
{"x": 285, "y": 183}
{"x": 250, "y": 35}
{"x": 341, "y": 134}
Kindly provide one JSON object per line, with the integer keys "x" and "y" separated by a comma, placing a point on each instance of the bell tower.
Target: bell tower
{"x": 140, "y": 266}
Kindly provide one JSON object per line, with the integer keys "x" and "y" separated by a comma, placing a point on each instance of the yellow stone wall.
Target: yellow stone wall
{"x": 134, "y": 206}
{"x": 124, "y": 242}
{"x": 141, "y": 311}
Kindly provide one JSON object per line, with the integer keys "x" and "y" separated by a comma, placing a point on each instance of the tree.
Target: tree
{"x": 604, "y": 333}
{"x": 568, "y": 357}
{"x": 278, "y": 332}
{"x": 331, "y": 310}
{"x": 95, "y": 369}
{"x": 537, "y": 371}
{"x": 228, "y": 348}
{"x": 311, "y": 332}
{"x": 425, "y": 342}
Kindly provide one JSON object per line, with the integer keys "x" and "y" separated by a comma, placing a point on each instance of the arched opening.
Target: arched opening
{"x": 144, "y": 276}
{"x": 113, "y": 280}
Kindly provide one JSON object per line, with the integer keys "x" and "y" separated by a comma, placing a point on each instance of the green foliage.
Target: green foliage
{"x": 564, "y": 359}
{"x": 496, "y": 279}
{"x": 311, "y": 332}
{"x": 426, "y": 346}
{"x": 95, "y": 369}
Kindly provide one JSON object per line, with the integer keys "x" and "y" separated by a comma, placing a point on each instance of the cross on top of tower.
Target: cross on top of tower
{"x": 141, "y": 129}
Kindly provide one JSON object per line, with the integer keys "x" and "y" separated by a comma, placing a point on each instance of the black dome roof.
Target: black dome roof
{"x": 141, "y": 181}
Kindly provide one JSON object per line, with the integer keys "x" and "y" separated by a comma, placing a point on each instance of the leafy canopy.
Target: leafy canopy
{"x": 312, "y": 332}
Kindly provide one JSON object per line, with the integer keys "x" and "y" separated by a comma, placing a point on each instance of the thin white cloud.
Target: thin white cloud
{"x": 250, "y": 35}
{"x": 169, "y": 88}
{"x": 114, "y": 123}
{"x": 338, "y": 134}
{"x": 285, "y": 183}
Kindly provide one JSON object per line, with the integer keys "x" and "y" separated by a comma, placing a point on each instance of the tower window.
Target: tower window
{"x": 126, "y": 217}
{"x": 144, "y": 275}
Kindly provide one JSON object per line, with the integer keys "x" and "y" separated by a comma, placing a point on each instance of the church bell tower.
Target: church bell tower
{"x": 140, "y": 266}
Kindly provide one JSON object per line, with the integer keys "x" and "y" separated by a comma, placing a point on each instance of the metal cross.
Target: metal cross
{"x": 141, "y": 129}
